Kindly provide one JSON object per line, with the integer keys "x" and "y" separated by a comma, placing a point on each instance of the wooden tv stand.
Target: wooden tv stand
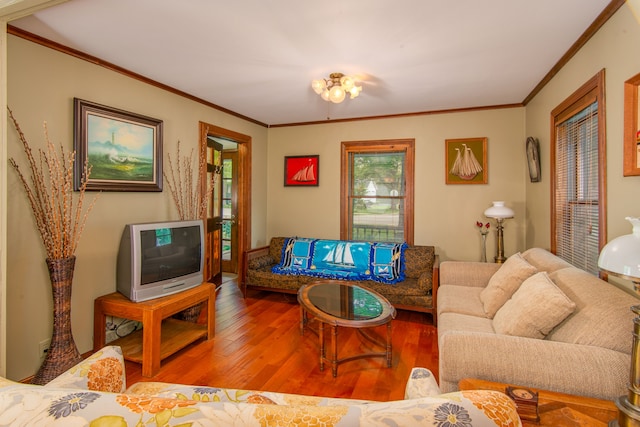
{"x": 160, "y": 337}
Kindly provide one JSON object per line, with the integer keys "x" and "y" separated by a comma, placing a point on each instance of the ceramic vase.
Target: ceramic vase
{"x": 63, "y": 353}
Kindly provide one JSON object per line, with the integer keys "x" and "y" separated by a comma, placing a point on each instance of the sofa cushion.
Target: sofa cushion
{"x": 261, "y": 262}
{"x": 421, "y": 383}
{"x": 275, "y": 248}
{"x": 603, "y": 317}
{"x": 102, "y": 371}
{"x": 460, "y": 299}
{"x": 505, "y": 282}
{"x": 535, "y": 309}
{"x": 544, "y": 260}
{"x": 418, "y": 260}
{"x": 463, "y": 323}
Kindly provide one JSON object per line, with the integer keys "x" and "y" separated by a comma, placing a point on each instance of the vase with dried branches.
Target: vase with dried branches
{"x": 60, "y": 219}
{"x": 190, "y": 202}
{"x": 188, "y": 198}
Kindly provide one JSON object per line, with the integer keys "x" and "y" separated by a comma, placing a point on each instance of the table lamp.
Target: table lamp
{"x": 621, "y": 257}
{"x": 499, "y": 212}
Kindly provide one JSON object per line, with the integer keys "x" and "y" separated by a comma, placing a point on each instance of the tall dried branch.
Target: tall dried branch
{"x": 190, "y": 202}
{"x": 60, "y": 217}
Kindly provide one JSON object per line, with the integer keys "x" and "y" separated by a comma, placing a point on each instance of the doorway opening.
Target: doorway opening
{"x": 229, "y": 231}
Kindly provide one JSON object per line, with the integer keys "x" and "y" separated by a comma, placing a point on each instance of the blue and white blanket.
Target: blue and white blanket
{"x": 343, "y": 259}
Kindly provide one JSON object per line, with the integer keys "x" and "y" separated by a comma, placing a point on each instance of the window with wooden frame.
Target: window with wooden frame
{"x": 578, "y": 169}
{"x": 376, "y": 190}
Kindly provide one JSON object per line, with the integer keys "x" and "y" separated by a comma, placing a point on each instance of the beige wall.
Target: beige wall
{"x": 42, "y": 85}
{"x": 445, "y": 215}
{"x": 614, "y": 48}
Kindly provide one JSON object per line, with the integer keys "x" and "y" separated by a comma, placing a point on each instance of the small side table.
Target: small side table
{"x": 557, "y": 409}
{"x": 160, "y": 337}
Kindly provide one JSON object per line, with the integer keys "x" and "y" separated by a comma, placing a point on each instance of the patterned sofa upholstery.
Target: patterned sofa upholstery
{"x": 94, "y": 393}
{"x": 417, "y": 292}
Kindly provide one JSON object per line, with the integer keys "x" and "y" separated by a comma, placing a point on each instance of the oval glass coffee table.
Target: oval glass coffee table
{"x": 337, "y": 303}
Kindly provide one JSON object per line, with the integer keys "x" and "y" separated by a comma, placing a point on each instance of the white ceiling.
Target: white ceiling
{"x": 257, "y": 57}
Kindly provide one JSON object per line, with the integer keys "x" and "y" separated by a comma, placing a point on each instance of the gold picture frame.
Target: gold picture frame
{"x": 123, "y": 149}
{"x": 466, "y": 161}
{"x": 631, "y": 127}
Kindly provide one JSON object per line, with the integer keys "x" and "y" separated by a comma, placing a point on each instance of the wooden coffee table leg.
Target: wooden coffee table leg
{"x": 303, "y": 320}
{"x": 321, "y": 337}
{"x": 334, "y": 346}
{"x": 389, "y": 353}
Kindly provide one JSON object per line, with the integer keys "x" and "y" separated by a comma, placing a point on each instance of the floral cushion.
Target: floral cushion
{"x": 421, "y": 383}
{"x": 102, "y": 371}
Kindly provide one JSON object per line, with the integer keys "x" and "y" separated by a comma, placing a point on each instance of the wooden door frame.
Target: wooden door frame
{"x": 243, "y": 219}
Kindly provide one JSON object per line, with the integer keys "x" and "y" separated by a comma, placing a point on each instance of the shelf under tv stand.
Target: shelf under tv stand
{"x": 160, "y": 336}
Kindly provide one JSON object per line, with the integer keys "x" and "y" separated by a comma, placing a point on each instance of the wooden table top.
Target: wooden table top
{"x": 557, "y": 409}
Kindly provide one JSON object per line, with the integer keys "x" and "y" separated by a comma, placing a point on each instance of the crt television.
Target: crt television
{"x": 160, "y": 258}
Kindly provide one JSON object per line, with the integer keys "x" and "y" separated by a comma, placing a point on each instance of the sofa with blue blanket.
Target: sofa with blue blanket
{"x": 407, "y": 275}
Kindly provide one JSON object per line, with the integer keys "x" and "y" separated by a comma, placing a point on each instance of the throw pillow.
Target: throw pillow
{"x": 535, "y": 309}
{"x": 505, "y": 282}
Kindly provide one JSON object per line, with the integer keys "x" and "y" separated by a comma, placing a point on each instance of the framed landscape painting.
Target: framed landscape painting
{"x": 466, "y": 161}
{"x": 123, "y": 149}
{"x": 301, "y": 171}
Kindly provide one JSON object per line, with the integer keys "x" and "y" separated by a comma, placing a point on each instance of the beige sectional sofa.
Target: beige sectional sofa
{"x": 534, "y": 321}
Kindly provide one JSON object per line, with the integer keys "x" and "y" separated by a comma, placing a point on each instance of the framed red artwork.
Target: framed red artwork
{"x": 302, "y": 171}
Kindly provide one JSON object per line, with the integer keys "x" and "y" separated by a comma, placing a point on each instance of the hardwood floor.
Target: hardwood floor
{"x": 258, "y": 346}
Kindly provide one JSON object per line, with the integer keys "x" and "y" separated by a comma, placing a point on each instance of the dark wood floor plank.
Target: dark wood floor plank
{"x": 258, "y": 346}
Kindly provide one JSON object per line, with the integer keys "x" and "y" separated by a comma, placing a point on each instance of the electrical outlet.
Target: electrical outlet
{"x": 43, "y": 348}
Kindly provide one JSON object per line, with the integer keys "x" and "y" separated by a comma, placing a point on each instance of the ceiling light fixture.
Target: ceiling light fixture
{"x": 336, "y": 87}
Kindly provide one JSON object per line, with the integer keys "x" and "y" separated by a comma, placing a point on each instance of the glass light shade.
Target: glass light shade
{"x": 336, "y": 87}
{"x": 621, "y": 256}
{"x": 318, "y": 86}
{"x": 498, "y": 210}
{"x": 347, "y": 83}
{"x": 336, "y": 94}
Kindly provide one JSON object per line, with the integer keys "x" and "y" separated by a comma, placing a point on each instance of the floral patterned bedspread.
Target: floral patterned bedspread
{"x": 77, "y": 398}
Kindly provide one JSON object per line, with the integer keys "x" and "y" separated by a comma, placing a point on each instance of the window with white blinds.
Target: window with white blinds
{"x": 578, "y": 181}
{"x": 376, "y": 200}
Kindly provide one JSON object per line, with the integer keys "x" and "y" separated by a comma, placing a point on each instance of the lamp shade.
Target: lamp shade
{"x": 336, "y": 94}
{"x": 621, "y": 256}
{"x": 319, "y": 86}
{"x": 498, "y": 210}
